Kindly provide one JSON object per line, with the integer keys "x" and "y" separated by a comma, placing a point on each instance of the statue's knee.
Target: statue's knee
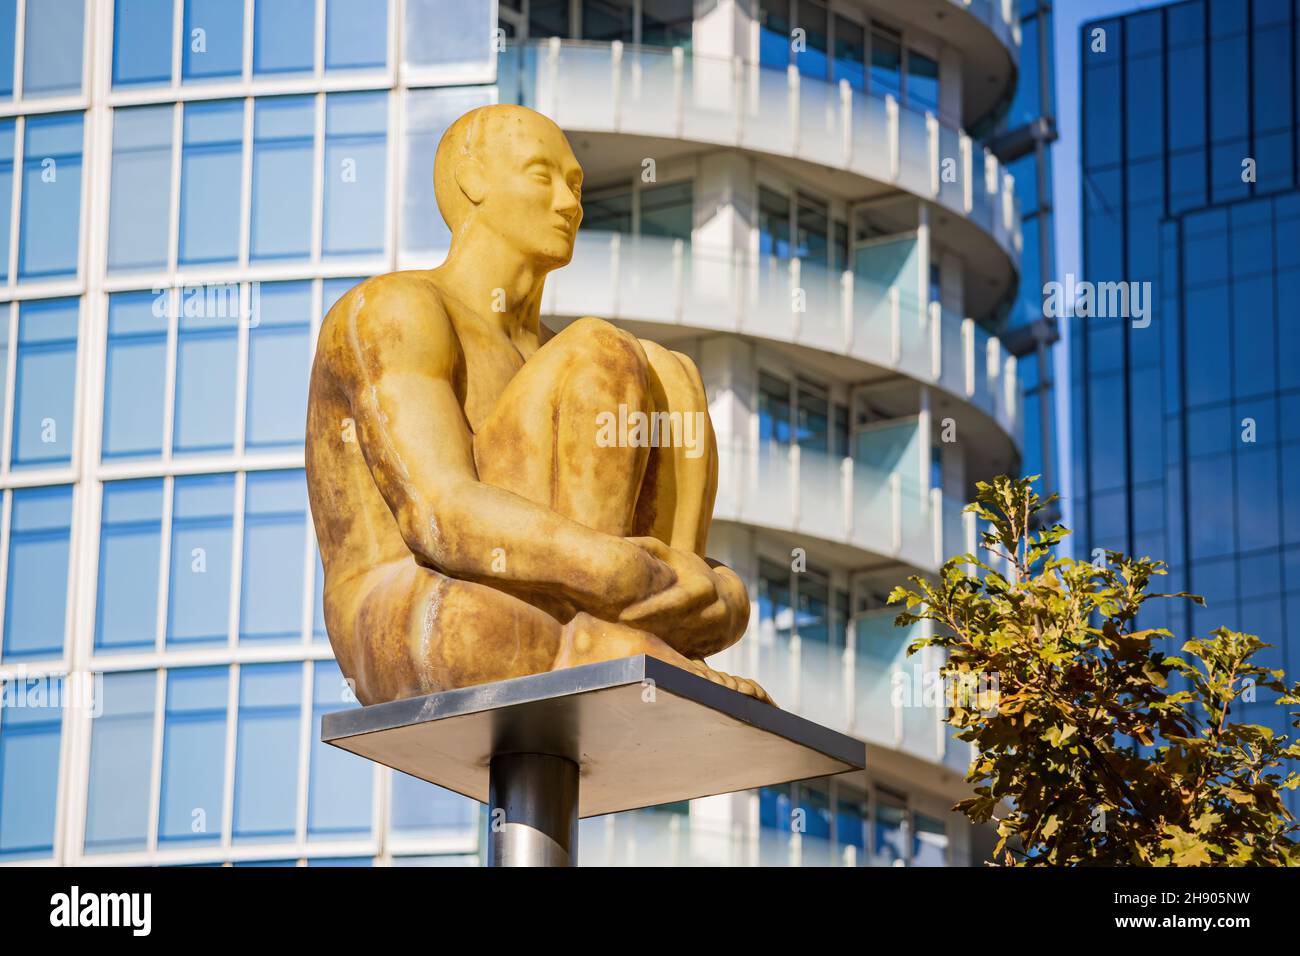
{"x": 605, "y": 356}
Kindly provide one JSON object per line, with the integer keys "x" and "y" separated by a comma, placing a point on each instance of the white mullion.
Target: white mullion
{"x": 11, "y": 388}
{"x": 174, "y": 194}
{"x": 304, "y": 751}
{"x": 20, "y": 49}
{"x": 178, "y": 37}
{"x": 170, "y": 360}
{"x": 396, "y": 168}
{"x": 205, "y": 656}
{"x": 236, "y": 561}
{"x": 319, "y": 172}
{"x": 16, "y": 197}
{"x": 228, "y": 780}
{"x": 246, "y": 184}
{"x": 248, "y": 41}
{"x": 243, "y": 333}
{"x": 164, "y": 565}
{"x": 318, "y": 61}
{"x": 6, "y": 516}
{"x": 155, "y": 763}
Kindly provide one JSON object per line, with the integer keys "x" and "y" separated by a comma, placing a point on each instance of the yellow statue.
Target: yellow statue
{"x": 481, "y": 509}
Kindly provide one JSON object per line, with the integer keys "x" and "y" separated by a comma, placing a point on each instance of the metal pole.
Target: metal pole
{"x": 532, "y": 810}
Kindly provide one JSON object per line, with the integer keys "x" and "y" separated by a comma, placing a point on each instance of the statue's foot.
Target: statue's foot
{"x": 746, "y": 686}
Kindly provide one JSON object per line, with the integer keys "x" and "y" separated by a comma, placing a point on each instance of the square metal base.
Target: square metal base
{"x": 642, "y": 732}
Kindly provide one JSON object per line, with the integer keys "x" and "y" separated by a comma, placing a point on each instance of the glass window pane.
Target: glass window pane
{"x": 29, "y": 772}
{"x": 8, "y": 34}
{"x": 142, "y": 42}
{"x": 206, "y": 354}
{"x": 121, "y": 764}
{"x": 134, "y": 375}
{"x": 886, "y": 63}
{"x": 284, "y": 33}
{"x": 283, "y": 143}
{"x": 667, "y": 23}
{"x": 427, "y": 41}
{"x": 140, "y": 197}
{"x": 52, "y": 47}
{"x": 213, "y": 42}
{"x": 210, "y": 182}
{"x": 194, "y": 757}
{"x": 338, "y": 801}
{"x": 356, "y": 162}
{"x": 356, "y": 34}
{"x": 420, "y": 809}
{"x": 130, "y": 545}
{"x": 266, "y": 759}
{"x": 51, "y": 210}
{"x": 45, "y": 386}
{"x": 275, "y": 542}
{"x": 37, "y": 586}
{"x": 428, "y": 114}
{"x": 279, "y": 356}
{"x": 7, "y": 143}
{"x": 668, "y": 210}
{"x": 199, "y": 589}
{"x": 922, "y": 81}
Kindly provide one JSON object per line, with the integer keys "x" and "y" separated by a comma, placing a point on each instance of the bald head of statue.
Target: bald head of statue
{"x": 507, "y": 174}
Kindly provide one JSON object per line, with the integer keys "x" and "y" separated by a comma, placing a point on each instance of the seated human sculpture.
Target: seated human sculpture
{"x": 473, "y": 522}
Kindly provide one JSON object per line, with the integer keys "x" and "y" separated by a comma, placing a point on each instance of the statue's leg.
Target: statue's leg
{"x": 681, "y": 481}
{"x": 543, "y": 441}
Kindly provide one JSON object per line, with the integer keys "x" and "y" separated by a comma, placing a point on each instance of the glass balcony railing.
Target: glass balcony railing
{"x": 654, "y": 91}
{"x": 872, "y": 312}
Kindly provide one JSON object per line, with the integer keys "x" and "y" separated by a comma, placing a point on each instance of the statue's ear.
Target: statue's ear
{"x": 472, "y": 180}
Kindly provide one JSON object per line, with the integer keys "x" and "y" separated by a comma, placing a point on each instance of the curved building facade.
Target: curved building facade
{"x": 806, "y": 197}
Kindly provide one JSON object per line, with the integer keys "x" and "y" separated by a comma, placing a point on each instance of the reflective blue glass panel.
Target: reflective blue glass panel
{"x": 8, "y": 36}
{"x": 135, "y": 370}
{"x": 339, "y": 797}
{"x": 207, "y": 348}
{"x": 266, "y": 757}
{"x": 279, "y": 343}
{"x": 275, "y": 543}
{"x": 199, "y": 590}
{"x": 37, "y": 587}
{"x": 29, "y": 771}
{"x": 428, "y": 43}
{"x": 142, "y": 42}
{"x": 121, "y": 764}
{"x": 356, "y": 34}
{"x": 52, "y": 47}
{"x": 212, "y": 46}
{"x": 283, "y": 131}
{"x": 51, "y": 210}
{"x": 7, "y": 144}
{"x": 130, "y": 546}
{"x": 45, "y": 383}
{"x": 194, "y": 757}
{"x": 140, "y": 196}
{"x": 420, "y": 809}
{"x": 210, "y": 182}
{"x": 284, "y": 32}
{"x": 356, "y": 161}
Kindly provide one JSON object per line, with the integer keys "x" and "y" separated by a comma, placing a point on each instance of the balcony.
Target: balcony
{"x": 670, "y": 94}
{"x": 871, "y": 313}
{"x": 861, "y": 682}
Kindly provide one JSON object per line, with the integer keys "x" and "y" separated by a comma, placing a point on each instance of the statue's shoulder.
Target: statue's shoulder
{"x": 399, "y": 315}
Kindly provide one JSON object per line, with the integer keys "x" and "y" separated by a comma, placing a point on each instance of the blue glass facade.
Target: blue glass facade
{"x": 1185, "y": 446}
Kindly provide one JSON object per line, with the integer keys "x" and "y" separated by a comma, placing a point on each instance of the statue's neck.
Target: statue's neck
{"x": 495, "y": 283}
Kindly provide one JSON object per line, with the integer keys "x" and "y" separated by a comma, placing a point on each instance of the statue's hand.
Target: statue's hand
{"x": 696, "y": 615}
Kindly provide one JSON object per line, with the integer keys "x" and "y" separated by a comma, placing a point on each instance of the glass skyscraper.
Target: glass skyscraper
{"x": 827, "y": 205}
{"x": 1186, "y": 442}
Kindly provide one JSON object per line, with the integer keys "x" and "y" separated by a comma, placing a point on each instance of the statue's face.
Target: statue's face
{"x": 534, "y": 189}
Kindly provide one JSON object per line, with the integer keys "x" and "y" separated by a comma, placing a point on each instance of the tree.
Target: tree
{"x": 1097, "y": 747}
